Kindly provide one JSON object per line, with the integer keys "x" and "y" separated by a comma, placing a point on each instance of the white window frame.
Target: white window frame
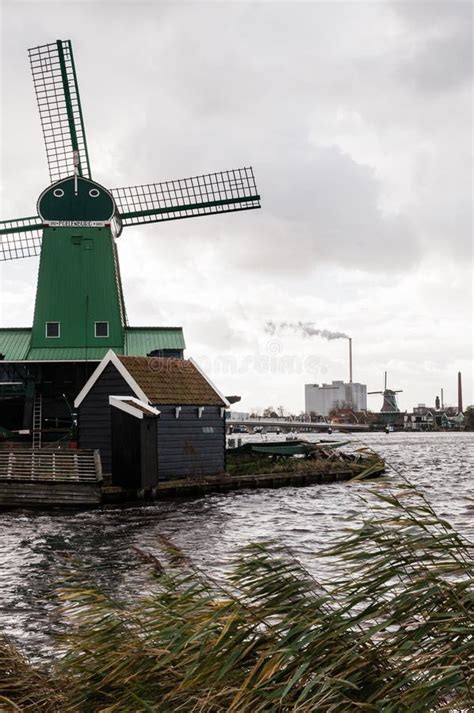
{"x": 102, "y": 336}
{"x": 50, "y": 336}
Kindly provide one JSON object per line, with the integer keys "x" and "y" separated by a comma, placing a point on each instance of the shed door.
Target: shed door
{"x": 149, "y": 452}
{"x": 126, "y": 450}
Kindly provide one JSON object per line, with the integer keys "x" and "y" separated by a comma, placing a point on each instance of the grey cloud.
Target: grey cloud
{"x": 324, "y": 208}
{"x": 442, "y": 63}
{"x": 439, "y": 56}
{"x": 428, "y": 15}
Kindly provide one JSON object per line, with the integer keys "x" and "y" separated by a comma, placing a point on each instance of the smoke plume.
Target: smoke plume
{"x": 306, "y": 329}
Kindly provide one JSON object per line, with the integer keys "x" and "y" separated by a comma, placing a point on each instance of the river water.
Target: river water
{"x": 37, "y": 548}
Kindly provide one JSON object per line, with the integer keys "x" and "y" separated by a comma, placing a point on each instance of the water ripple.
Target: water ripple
{"x": 37, "y": 548}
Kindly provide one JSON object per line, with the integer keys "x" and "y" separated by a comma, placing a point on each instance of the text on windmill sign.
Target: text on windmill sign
{"x": 75, "y": 224}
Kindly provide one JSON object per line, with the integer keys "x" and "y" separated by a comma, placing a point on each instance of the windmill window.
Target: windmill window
{"x": 94, "y": 193}
{"x": 101, "y": 329}
{"x": 53, "y": 330}
{"x": 58, "y": 193}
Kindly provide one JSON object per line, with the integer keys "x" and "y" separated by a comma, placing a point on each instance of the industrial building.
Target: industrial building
{"x": 322, "y": 399}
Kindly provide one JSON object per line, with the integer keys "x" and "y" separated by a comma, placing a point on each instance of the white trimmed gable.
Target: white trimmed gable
{"x": 110, "y": 358}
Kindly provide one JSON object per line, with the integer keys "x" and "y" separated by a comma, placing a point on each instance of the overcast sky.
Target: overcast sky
{"x": 357, "y": 119}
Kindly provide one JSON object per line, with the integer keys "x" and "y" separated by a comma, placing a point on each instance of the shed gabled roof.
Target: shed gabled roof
{"x": 159, "y": 380}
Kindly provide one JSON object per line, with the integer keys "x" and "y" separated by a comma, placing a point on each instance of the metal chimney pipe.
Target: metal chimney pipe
{"x": 350, "y": 360}
{"x": 459, "y": 392}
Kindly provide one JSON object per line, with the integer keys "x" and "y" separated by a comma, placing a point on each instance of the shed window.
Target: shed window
{"x": 101, "y": 329}
{"x": 53, "y": 329}
{"x": 208, "y": 429}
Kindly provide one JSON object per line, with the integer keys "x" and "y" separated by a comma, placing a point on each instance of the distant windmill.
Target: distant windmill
{"x": 389, "y": 398}
{"x": 79, "y": 300}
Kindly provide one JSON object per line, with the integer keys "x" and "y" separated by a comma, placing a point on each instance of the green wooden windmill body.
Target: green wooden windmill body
{"x": 79, "y": 304}
{"x": 79, "y": 308}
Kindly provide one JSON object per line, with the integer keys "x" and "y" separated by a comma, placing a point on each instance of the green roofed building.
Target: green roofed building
{"x": 15, "y": 345}
{"x": 41, "y": 382}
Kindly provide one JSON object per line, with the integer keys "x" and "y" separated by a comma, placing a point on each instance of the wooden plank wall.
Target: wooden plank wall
{"x": 190, "y": 446}
{"x": 44, "y": 494}
{"x": 95, "y": 419}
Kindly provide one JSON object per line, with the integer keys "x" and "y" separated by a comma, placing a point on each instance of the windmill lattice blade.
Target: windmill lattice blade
{"x": 189, "y": 197}
{"x": 57, "y": 94}
{"x": 20, "y": 238}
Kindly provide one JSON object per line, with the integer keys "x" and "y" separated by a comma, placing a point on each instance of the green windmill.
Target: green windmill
{"x": 79, "y": 309}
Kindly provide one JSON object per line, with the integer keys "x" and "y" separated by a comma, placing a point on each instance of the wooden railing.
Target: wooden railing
{"x": 51, "y": 465}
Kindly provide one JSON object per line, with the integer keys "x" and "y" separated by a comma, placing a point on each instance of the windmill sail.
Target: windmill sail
{"x": 57, "y": 94}
{"x": 20, "y": 238}
{"x": 189, "y": 197}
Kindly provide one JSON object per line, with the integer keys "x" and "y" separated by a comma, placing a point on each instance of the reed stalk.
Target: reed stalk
{"x": 392, "y": 632}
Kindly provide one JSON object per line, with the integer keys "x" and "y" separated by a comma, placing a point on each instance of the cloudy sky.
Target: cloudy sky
{"x": 357, "y": 119}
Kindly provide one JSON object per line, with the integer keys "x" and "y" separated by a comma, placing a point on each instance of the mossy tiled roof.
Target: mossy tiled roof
{"x": 171, "y": 381}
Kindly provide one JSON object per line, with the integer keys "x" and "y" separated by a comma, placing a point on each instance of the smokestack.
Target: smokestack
{"x": 350, "y": 360}
{"x": 442, "y": 398}
{"x": 459, "y": 393}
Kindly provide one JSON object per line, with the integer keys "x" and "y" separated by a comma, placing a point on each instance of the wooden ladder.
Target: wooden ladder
{"x": 37, "y": 420}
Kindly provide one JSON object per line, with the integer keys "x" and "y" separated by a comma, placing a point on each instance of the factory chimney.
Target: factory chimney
{"x": 350, "y": 360}
{"x": 442, "y": 398}
{"x": 459, "y": 393}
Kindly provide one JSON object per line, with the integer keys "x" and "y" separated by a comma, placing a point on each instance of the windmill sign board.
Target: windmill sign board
{"x": 79, "y": 308}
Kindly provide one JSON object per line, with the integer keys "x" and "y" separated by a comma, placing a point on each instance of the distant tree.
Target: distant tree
{"x": 269, "y": 412}
{"x": 281, "y": 411}
{"x": 469, "y": 418}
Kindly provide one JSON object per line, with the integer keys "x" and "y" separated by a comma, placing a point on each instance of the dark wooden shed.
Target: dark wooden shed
{"x": 152, "y": 419}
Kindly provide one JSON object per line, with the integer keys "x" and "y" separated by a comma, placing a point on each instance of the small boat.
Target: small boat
{"x": 298, "y": 448}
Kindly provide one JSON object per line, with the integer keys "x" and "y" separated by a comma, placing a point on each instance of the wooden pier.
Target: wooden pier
{"x": 32, "y": 478}
{"x": 49, "y": 478}
{"x": 225, "y": 483}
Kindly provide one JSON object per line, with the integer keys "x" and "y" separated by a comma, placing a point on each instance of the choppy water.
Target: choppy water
{"x": 37, "y": 547}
